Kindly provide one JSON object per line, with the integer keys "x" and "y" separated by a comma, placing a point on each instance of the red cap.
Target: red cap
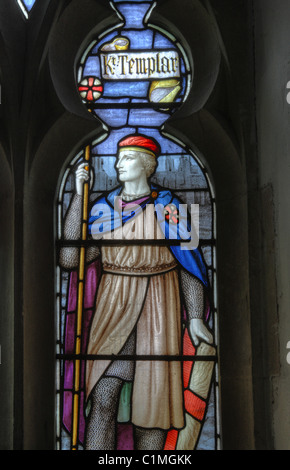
{"x": 140, "y": 142}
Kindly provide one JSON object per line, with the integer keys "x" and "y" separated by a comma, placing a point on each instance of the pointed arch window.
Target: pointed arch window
{"x": 136, "y": 276}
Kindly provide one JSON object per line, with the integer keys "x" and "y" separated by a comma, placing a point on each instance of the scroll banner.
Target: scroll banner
{"x": 140, "y": 65}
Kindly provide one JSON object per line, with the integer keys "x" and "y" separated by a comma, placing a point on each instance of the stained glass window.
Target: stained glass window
{"x": 136, "y": 288}
{"x": 26, "y": 6}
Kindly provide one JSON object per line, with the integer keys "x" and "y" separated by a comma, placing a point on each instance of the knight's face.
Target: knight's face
{"x": 129, "y": 165}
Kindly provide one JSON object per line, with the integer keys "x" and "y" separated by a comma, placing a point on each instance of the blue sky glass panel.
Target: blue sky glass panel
{"x": 124, "y": 107}
{"x": 29, "y": 4}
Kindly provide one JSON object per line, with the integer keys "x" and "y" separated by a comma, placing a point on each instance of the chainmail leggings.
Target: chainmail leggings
{"x": 101, "y": 425}
{"x": 101, "y": 422}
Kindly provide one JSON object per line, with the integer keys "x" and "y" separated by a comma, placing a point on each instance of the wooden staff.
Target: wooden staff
{"x": 80, "y": 303}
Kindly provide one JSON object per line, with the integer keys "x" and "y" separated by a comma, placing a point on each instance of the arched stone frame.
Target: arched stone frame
{"x": 207, "y": 433}
{"x": 61, "y": 142}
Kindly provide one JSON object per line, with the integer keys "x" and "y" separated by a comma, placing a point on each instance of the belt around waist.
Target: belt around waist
{"x": 144, "y": 271}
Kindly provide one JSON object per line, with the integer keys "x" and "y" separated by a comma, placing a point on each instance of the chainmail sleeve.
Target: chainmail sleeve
{"x": 69, "y": 255}
{"x": 193, "y": 294}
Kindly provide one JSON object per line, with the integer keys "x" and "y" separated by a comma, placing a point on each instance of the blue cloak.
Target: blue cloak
{"x": 104, "y": 217}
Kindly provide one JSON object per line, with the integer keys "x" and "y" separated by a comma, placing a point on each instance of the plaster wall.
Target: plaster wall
{"x": 272, "y": 70}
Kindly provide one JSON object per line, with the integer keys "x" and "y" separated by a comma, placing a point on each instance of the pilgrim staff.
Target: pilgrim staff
{"x": 80, "y": 301}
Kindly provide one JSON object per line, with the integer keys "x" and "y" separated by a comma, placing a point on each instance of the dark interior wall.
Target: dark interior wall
{"x": 12, "y": 51}
{"x": 216, "y": 132}
{"x": 254, "y": 34}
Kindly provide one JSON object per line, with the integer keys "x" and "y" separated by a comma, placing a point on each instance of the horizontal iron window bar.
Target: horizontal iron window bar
{"x": 118, "y": 242}
{"x": 114, "y": 357}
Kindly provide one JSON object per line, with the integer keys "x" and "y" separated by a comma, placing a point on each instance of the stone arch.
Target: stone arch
{"x": 7, "y": 281}
{"x": 70, "y": 127}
